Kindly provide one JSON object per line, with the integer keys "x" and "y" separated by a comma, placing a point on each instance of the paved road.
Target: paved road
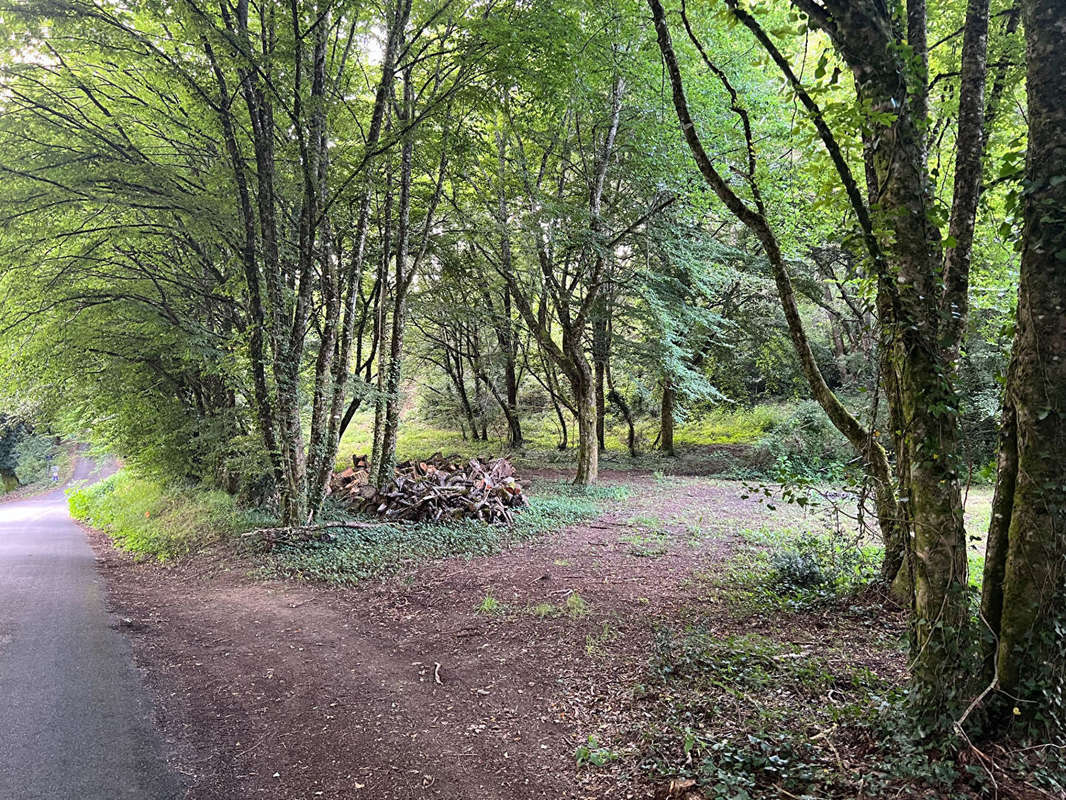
{"x": 75, "y": 721}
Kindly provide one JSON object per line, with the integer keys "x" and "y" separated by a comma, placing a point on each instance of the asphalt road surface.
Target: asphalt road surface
{"x": 75, "y": 720}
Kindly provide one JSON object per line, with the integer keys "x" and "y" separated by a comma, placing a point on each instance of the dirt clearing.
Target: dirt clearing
{"x": 461, "y": 678}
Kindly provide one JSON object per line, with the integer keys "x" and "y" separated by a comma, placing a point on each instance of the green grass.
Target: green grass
{"x": 490, "y": 605}
{"x": 150, "y": 520}
{"x": 732, "y": 425}
{"x": 350, "y": 556}
{"x": 418, "y": 438}
{"x": 575, "y": 606}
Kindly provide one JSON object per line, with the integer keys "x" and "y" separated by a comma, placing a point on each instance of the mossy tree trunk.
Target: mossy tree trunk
{"x": 1024, "y": 597}
{"x": 585, "y": 401}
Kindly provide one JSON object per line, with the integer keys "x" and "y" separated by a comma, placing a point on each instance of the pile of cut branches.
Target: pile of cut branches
{"x": 352, "y": 486}
{"x": 437, "y": 489}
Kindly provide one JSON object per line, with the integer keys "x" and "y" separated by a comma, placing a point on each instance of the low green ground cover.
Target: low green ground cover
{"x": 153, "y": 520}
{"x": 348, "y": 556}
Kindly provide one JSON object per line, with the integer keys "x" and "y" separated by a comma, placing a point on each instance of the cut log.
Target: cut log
{"x": 435, "y": 489}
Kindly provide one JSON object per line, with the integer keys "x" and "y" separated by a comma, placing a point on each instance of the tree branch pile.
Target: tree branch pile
{"x": 434, "y": 490}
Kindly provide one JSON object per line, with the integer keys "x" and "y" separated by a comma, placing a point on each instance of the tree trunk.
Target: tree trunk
{"x": 587, "y": 442}
{"x": 380, "y": 328}
{"x": 600, "y": 356}
{"x": 631, "y": 437}
{"x": 564, "y": 435}
{"x": 510, "y": 374}
{"x": 1024, "y": 596}
{"x": 455, "y": 372}
{"x": 394, "y": 379}
{"x": 910, "y": 286}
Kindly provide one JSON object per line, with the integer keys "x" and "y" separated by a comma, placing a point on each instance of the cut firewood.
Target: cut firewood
{"x": 436, "y": 489}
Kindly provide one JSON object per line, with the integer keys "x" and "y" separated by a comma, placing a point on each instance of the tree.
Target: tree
{"x": 921, "y": 281}
{"x": 249, "y": 141}
{"x": 1024, "y": 591}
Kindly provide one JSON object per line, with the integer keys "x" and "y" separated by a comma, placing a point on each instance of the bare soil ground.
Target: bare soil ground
{"x": 402, "y": 688}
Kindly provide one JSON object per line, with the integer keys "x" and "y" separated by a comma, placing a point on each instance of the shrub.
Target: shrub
{"x": 798, "y": 571}
{"x": 806, "y": 446}
{"x": 34, "y": 456}
{"x": 794, "y": 570}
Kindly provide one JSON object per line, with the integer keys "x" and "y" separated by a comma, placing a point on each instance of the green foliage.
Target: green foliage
{"x": 349, "y": 556}
{"x": 575, "y": 605}
{"x": 733, "y": 713}
{"x": 544, "y": 610}
{"x": 34, "y": 456}
{"x": 153, "y": 520}
{"x": 490, "y": 605}
{"x": 731, "y": 425}
{"x": 804, "y": 444}
{"x": 11, "y": 433}
{"x": 786, "y": 569}
{"x": 593, "y": 754}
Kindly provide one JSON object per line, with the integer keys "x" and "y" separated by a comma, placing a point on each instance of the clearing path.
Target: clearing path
{"x": 75, "y": 721}
{"x": 413, "y": 686}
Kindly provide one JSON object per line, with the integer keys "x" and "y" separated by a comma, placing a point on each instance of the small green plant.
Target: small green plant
{"x": 651, "y": 538}
{"x": 544, "y": 610}
{"x": 490, "y": 605}
{"x": 576, "y": 606}
{"x": 797, "y": 570}
{"x": 592, "y": 754}
{"x": 793, "y": 570}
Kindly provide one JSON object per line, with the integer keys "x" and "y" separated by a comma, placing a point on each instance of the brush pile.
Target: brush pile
{"x": 435, "y": 490}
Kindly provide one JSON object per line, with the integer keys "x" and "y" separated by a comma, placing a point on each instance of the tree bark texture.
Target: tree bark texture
{"x": 1025, "y": 568}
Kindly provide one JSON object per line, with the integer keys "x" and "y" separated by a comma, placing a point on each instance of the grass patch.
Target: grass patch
{"x": 730, "y": 426}
{"x": 419, "y": 437}
{"x": 575, "y": 606}
{"x": 490, "y": 605}
{"x": 650, "y": 540}
{"x": 349, "y": 556}
{"x": 544, "y": 610}
{"x": 150, "y": 520}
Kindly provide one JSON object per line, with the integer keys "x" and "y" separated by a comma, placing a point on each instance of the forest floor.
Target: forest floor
{"x": 544, "y": 671}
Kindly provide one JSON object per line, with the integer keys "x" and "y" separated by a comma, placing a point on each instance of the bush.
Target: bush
{"x": 806, "y": 443}
{"x": 795, "y": 570}
{"x": 146, "y": 518}
{"x": 34, "y": 456}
